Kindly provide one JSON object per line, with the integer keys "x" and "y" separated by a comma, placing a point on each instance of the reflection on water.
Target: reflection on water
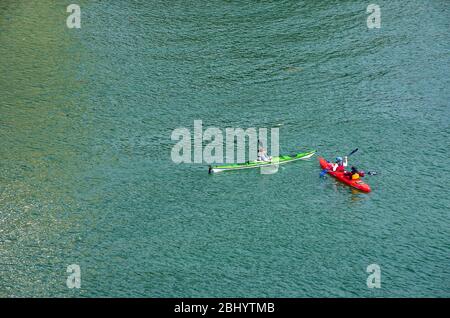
{"x": 43, "y": 141}
{"x": 358, "y": 195}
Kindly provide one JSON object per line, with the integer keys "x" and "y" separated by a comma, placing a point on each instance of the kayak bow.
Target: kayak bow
{"x": 255, "y": 164}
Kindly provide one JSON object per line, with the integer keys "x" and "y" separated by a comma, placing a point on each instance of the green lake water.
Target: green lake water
{"x": 86, "y": 175}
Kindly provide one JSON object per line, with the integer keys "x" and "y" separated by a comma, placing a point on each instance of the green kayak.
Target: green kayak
{"x": 255, "y": 164}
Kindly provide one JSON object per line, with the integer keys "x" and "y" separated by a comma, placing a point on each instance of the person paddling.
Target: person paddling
{"x": 354, "y": 174}
{"x": 340, "y": 164}
{"x": 262, "y": 155}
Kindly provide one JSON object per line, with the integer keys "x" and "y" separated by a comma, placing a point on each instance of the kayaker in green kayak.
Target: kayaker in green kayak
{"x": 262, "y": 155}
{"x": 278, "y": 160}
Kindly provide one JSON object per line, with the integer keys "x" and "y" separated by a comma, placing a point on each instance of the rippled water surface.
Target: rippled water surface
{"x": 86, "y": 175}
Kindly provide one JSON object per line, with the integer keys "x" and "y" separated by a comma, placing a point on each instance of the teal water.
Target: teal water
{"x": 86, "y": 175}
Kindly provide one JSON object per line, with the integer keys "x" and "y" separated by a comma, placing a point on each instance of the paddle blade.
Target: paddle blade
{"x": 351, "y": 153}
{"x": 323, "y": 172}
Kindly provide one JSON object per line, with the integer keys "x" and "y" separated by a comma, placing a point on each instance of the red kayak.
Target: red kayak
{"x": 358, "y": 184}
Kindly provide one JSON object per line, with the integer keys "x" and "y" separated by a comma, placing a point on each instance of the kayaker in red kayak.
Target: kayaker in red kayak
{"x": 340, "y": 164}
{"x": 351, "y": 178}
{"x": 354, "y": 174}
{"x": 337, "y": 170}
